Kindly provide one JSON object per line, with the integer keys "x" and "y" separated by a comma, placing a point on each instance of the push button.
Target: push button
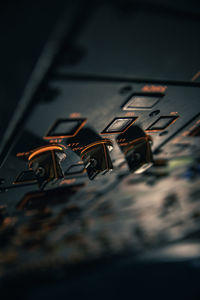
{"x": 162, "y": 123}
{"x": 119, "y": 125}
{"x": 142, "y": 101}
{"x": 65, "y": 128}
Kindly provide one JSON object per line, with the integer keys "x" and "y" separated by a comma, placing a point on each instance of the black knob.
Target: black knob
{"x": 96, "y": 158}
{"x": 45, "y": 162}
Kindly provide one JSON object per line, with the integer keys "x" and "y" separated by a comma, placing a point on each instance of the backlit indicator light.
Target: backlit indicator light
{"x": 65, "y": 128}
{"x": 142, "y": 101}
{"x": 119, "y": 125}
{"x": 162, "y": 123}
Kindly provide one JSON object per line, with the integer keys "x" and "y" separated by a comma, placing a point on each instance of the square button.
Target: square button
{"x": 142, "y": 101}
{"x": 162, "y": 123}
{"x": 119, "y": 125}
{"x": 65, "y": 128}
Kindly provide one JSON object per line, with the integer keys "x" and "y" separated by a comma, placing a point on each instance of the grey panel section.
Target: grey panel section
{"x": 148, "y": 40}
{"x": 101, "y": 102}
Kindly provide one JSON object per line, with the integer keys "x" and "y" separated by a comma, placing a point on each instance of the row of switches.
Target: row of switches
{"x": 68, "y": 128}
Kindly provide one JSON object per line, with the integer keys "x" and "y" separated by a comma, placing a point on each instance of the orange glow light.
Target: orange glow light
{"x": 75, "y": 115}
{"x": 45, "y": 149}
{"x": 96, "y": 143}
{"x": 154, "y": 88}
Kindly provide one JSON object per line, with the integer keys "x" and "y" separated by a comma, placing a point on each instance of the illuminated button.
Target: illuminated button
{"x": 142, "y": 101}
{"x": 162, "y": 123}
{"x": 65, "y": 128}
{"x": 119, "y": 125}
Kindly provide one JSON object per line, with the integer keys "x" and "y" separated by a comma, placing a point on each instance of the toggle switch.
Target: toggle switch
{"x": 136, "y": 147}
{"x": 93, "y": 151}
{"x": 45, "y": 163}
{"x": 96, "y": 158}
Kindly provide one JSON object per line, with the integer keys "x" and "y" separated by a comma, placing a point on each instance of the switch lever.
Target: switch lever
{"x": 136, "y": 147}
{"x": 45, "y": 163}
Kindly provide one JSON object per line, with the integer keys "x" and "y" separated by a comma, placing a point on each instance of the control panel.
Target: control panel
{"x": 102, "y": 155}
